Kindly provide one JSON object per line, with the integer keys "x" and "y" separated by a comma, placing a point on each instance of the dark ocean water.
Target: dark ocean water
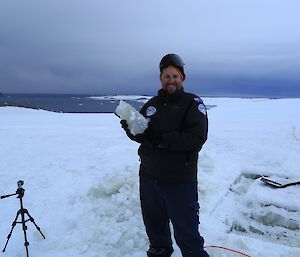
{"x": 71, "y": 103}
{"x": 66, "y": 103}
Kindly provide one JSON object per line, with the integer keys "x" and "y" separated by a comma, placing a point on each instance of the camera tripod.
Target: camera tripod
{"x": 20, "y": 192}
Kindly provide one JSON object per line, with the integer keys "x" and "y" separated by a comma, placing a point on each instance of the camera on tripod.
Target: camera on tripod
{"x": 20, "y": 192}
{"x": 20, "y": 183}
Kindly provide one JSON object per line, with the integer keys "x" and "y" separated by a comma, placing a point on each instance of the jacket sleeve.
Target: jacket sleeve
{"x": 194, "y": 133}
{"x": 137, "y": 138}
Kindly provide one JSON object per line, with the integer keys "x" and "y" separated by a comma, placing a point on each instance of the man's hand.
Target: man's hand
{"x": 125, "y": 125}
{"x": 138, "y": 138}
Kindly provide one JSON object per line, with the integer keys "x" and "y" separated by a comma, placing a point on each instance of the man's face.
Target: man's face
{"x": 171, "y": 80}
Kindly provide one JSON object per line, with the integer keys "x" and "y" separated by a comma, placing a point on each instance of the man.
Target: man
{"x": 168, "y": 170}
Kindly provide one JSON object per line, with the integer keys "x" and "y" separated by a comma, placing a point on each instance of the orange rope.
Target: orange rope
{"x": 224, "y": 248}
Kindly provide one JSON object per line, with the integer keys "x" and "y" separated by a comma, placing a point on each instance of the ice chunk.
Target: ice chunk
{"x": 137, "y": 123}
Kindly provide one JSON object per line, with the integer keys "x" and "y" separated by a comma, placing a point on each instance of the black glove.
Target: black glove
{"x": 124, "y": 125}
{"x": 138, "y": 138}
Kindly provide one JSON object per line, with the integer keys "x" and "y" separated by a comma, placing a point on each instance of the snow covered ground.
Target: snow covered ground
{"x": 81, "y": 181}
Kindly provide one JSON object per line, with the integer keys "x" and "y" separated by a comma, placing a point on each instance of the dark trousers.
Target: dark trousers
{"x": 178, "y": 203}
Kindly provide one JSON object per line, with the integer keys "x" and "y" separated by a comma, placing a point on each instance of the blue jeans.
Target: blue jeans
{"x": 178, "y": 203}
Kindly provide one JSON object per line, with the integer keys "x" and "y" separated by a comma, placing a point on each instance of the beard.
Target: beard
{"x": 172, "y": 88}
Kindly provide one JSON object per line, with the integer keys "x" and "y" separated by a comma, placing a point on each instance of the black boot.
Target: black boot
{"x": 161, "y": 252}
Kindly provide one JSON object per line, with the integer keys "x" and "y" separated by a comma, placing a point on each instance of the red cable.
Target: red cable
{"x": 221, "y": 247}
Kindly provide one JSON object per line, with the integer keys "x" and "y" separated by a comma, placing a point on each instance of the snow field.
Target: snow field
{"x": 81, "y": 181}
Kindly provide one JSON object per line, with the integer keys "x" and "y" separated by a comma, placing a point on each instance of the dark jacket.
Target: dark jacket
{"x": 175, "y": 134}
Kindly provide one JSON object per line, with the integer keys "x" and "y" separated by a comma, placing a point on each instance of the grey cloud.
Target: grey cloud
{"x": 114, "y": 47}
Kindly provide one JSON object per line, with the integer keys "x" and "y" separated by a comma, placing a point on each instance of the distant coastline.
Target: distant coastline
{"x": 72, "y": 103}
{"x": 69, "y": 103}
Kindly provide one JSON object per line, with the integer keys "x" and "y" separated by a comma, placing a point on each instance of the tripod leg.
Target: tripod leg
{"x": 13, "y": 226}
{"x": 23, "y": 211}
{"x": 32, "y": 220}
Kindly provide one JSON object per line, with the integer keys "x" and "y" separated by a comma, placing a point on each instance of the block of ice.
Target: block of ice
{"x": 137, "y": 123}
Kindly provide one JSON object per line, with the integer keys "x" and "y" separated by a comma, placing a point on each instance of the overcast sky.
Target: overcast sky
{"x": 114, "y": 47}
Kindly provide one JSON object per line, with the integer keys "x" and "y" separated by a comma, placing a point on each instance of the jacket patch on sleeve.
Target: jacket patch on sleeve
{"x": 202, "y": 108}
{"x": 151, "y": 110}
{"x": 198, "y": 100}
